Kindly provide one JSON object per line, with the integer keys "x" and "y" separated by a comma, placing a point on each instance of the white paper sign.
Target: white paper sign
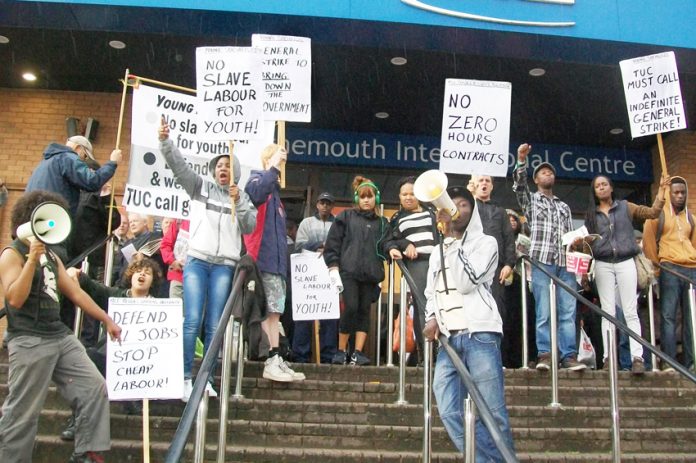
{"x": 152, "y": 188}
{"x": 230, "y": 93}
{"x": 653, "y": 96}
{"x": 476, "y": 127}
{"x": 313, "y": 297}
{"x": 287, "y": 76}
{"x": 149, "y": 363}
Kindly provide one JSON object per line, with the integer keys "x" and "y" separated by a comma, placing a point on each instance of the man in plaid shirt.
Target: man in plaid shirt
{"x": 549, "y": 218}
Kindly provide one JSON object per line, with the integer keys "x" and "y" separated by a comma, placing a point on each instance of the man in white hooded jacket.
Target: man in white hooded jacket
{"x": 463, "y": 309}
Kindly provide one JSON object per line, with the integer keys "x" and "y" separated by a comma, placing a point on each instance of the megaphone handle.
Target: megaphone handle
{"x": 443, "y": 266}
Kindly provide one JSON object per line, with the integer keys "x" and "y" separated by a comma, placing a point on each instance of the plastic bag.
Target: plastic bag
{"x": 410, "y": 335}
{"x": 586, "y": 352}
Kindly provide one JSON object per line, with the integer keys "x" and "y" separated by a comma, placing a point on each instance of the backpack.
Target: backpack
{"x": 644, "y": 271}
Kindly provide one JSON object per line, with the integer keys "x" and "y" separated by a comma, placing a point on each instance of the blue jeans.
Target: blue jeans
{"x": 673, "y": 293}
{"x": 480, "y": 353}
{"x": 206, "y": 289}
{"x": 565, "y": 306}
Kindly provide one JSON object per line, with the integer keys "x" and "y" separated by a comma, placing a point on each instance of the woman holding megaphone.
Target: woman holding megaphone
{"x": 42, "y": 349}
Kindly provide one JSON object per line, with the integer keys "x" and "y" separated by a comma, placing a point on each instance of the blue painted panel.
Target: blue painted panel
{"x": 647, "y": 21}
{"x": 381, "y": 150}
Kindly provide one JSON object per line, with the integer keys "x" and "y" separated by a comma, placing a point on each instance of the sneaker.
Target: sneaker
{"x": 638, "y": 366}
{"x": 68, "y": 433}
{"x": 88, "y": 457}
{"x": 275, "y": 372}
{"x": 543, "y": 362}
{"x": 571, "y": 363}
{"x": 358, "y": 358}
{"x": 296, "y": 375}
{"x": 188, "y": 388}
{"x": 211, "y": 391}
{"x": 340, "y": 358}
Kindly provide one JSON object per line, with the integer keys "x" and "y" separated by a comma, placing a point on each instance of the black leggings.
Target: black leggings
{"x": 357, "y": 299}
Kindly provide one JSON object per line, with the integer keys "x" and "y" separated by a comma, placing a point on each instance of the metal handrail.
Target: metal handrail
{"x": 621, "y": 326}
{"x": 484, "y": 412}
{"x": 676, "y": 274}
{"x": 176, "y": 448}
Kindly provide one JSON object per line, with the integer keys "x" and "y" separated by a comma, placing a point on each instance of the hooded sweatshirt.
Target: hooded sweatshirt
{"x": 213, "y": 236}
{"x": 472, "y": 263}
{"x": 63, "y": 172}
{"x": 677, "y": 242}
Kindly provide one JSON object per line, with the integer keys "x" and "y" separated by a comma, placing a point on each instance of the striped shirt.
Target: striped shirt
{"x": 549, "y": 219}
{"x": 417, "y": 228}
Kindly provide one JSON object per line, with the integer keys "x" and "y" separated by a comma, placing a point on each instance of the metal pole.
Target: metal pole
{"x": 240, "y": 363}
{"x": 427, "y": 400}
{"x": 554, "y": 345}
{"x": 225, "y": 389}
{"x": 651, "y": 313}
{"x": 692, "y": 309}
{"x": 403, "y": 311}
{"x": 201, "y": 418}
{"x": 525, "y": 321}
{"x": 109, "y": 261}
{"x": 614, "y": 391}
{"x": 390, "y": 318}
{"x": 469, "y": 430}
{"x": 77, "y": 327}
{"x": 379, "y": 327}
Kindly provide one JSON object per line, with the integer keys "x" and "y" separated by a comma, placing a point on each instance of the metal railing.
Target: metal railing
{"x": 176, "y": 448}
{"x": 484, "y": 412}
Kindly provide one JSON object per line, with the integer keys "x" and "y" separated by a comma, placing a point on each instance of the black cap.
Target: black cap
{"x": 326, "y": 196}
{"x": 541, "y": 166}
{"x": 461, "y": 192}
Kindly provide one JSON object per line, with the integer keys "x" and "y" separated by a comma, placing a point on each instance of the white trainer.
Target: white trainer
{"x": 275, "y": 372}
{"x": 188, "y": 388}
{"x": 296, "y": 375}
{"x": 211, "y": 391}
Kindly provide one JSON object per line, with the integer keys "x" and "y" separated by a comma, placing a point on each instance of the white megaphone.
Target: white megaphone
{"x": 431, "y": 187}
{"x": 50, "y": 223}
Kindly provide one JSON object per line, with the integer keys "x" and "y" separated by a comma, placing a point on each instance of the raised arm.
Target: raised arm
{"x": 187, "y": 178}
{"x": 519, "y": 175}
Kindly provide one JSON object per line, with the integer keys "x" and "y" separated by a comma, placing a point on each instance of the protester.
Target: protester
{"x": 460, "y": 306}
{"x": 352, "y": 254}
{"x": 174, "y": 247}
{"x": 267, "y": 244}
{"x": 64, "y": 171}
{"x": 670, "y": 241}
{"x": 311, "y": 235}
{"x": 615, "y": 270}
{"x": 549, "y": 219}
{"x": 42, "y": 349}
{"x": 497, "y": 224}
{"x": 412, "y": 236}
{"x": 214, "y": 244}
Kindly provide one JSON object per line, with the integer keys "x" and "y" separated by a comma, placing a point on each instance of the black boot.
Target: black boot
{"x": 68, "y": 433}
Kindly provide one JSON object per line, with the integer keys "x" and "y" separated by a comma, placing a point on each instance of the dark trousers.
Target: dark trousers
{"x": 302, "y": 340}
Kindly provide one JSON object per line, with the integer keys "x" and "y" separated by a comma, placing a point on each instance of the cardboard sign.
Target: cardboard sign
{"x": 476, "y": 127}
{"x": 149, "y": 363}
{"x": 230, "y": 93}
{"x": 287, "y": 76}
{"x": 313, "y": 296}
{"x": 152, "y": 188}
{"x": 653, "y": 95}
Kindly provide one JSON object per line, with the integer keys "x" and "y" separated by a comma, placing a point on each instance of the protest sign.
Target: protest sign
{"x": 475, "y": 127}
{"x": 313, "y": 296}
{"x": 230, "y": 93}
{"x": 149, "y": 362}
{"x": 653, "y": 95}
{"x": 287, "y": 76}
{"x": 152, "y": 188}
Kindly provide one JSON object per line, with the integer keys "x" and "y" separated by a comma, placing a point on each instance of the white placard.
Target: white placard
{"x": 230, "y": 93}
{"x": 152, "y": 188}
{"x": 475, "y": 127}
{"x": 287, "y": 76}
{"x": 313, "y": 296}
{"x": 653, "y": 95}
{"x": 149, "y": 362}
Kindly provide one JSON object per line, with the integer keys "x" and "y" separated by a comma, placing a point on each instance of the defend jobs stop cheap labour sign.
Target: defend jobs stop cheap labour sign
{"x": 476, "y": 127}
{"x": 653, "y": 95}
{"x": 149, "y": 362}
